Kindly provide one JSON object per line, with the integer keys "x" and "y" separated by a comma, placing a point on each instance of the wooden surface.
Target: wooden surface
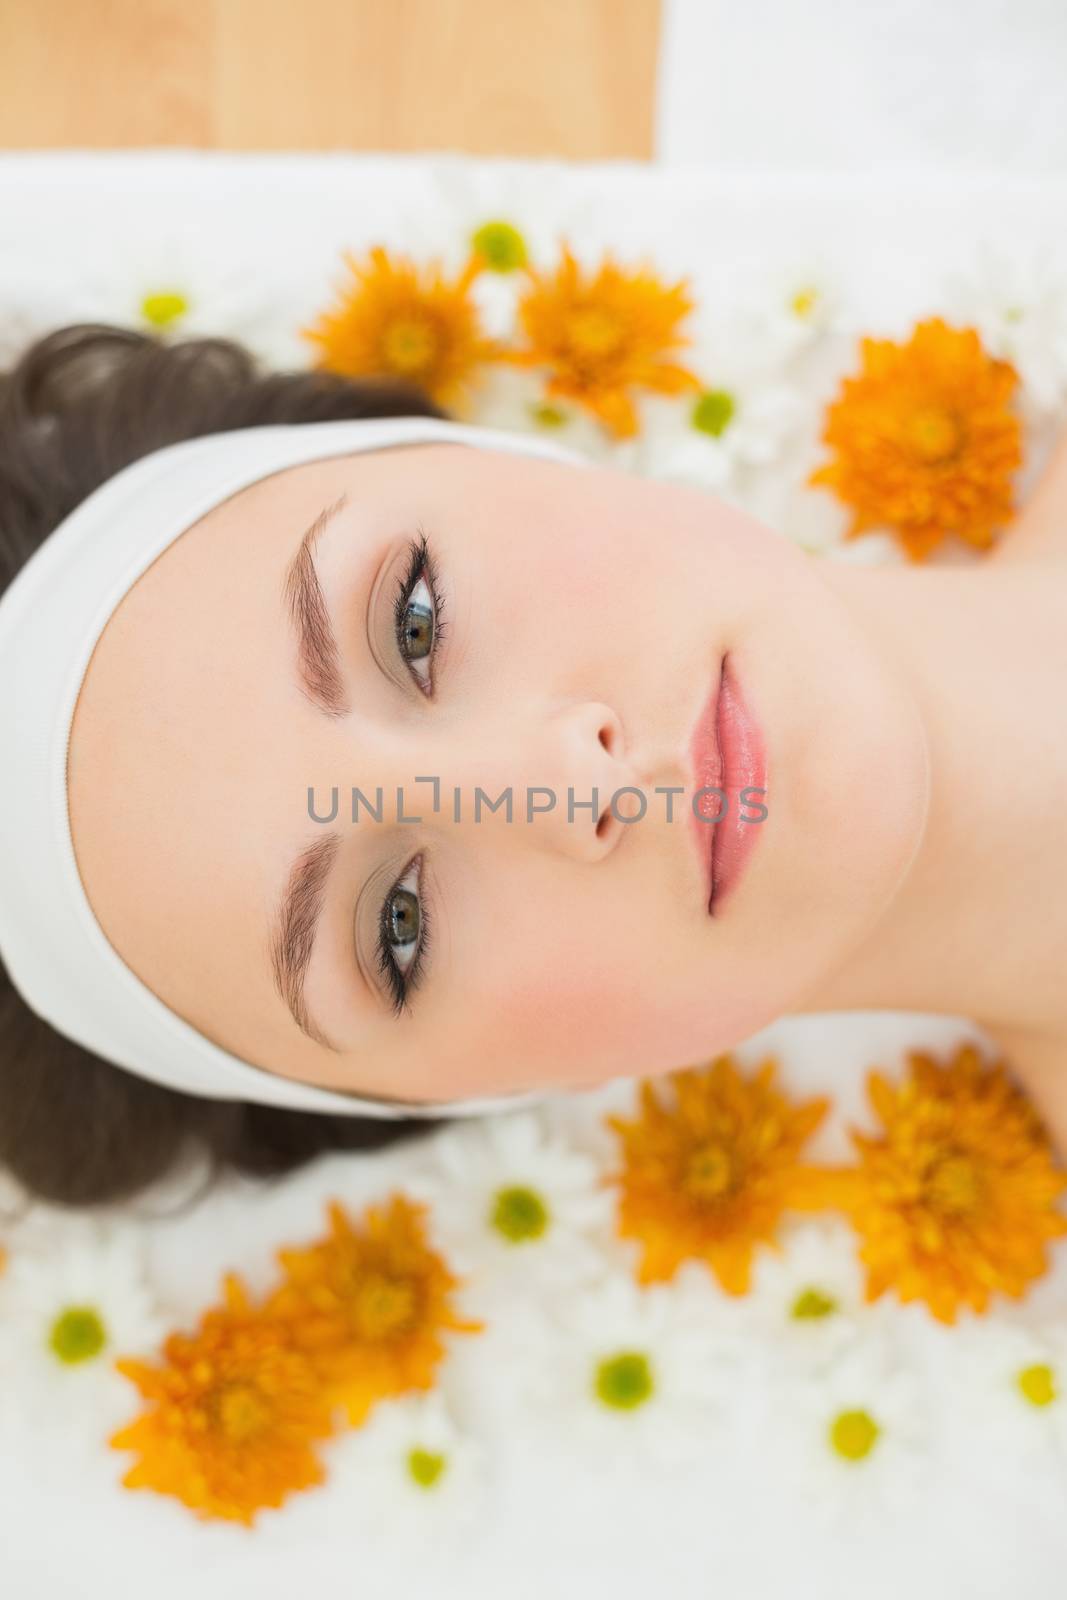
{"x": 571, "y": 78}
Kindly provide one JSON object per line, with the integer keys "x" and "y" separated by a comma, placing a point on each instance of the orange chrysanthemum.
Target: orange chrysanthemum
{"x": 708, "y": 1177}
{"x": 236, "y": 1410}
{"x": 392, "y": 322}
{"x": 925, "y": 440}
{"x": 371, "y": 1305}
{"x": 958, "y": 1197}
{"x": 603, "y": 337}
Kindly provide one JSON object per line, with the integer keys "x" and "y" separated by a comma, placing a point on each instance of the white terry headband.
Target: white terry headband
{"x": 51, "y": 617}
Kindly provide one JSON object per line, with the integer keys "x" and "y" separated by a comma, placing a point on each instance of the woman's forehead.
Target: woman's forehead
{"x": 192, "y": 742}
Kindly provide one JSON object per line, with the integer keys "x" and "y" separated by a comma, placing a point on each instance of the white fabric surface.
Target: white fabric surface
{"x": 66, "y": 1530}
{"x": 840, "y": 86}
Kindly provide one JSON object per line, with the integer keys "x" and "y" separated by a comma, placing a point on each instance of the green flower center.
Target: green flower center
{"x": 409, "y": 345}
{"x": 426, "y": 1466}
{"x": 624, "y": 1381}
{"x": 853, "y": 1435}
{"x": 520, "y": 1214}
{"x": 501, "y": 245}
{"x": 1037, "y": 1384}
{"x": 164, "y": 308}
{"x": 78, "y": 1334}
{"x": 811, "y": 1305}
{"x": 713, "y": 411}
{"x": 548, "y": 416}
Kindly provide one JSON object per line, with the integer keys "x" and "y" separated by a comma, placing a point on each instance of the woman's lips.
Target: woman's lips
{"x": 707, "y": 774}
{"x": 727, "y": 753}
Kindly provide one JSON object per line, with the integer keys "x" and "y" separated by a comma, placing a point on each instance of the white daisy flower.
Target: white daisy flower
{"x": 632, "y": 1374}
{"x": 1019, "y": 306}
{"x": 410, "y": 1473}
{"x": 809, "y": 1299}
{"x": 850, "y": 1435}
{"x": 513, "y": 1203}
{"x": 741, "y": 421}
{"x": 503, "y": 210}
{"x": 74, "y": 1298}
{"x": 580, "y": 1115}
{"x": 175, "y": 286}
{"x": 1007, "y": 1383}
{"x": 793, "y": 306}
{"x": 817, "y": 521}
{"x": 513, "y": 399}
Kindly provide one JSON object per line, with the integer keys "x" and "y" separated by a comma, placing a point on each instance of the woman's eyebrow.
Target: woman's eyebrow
{"x": 319, "y": 656}
{"x": 293, "y": 935}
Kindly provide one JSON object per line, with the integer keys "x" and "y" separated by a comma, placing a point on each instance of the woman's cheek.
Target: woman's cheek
{"x": 603, "y": 1016}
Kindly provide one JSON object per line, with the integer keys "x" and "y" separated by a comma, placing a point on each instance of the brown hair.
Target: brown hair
{"x": 79, "y": 404}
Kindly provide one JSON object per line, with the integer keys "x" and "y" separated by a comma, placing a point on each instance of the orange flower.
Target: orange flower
{"x": 371, "y": 1305}
{"x": 708, "y": 1177}
{"x": 392, "y": 324}
{"x": 957, "y": 1198}
{"x": 601, "y": 338}
{"x": 925, "y": 440}
{"x": 235, "y": 1413}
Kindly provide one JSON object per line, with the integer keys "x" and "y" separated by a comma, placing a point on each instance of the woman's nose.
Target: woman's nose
{"x": 572, "y": 801}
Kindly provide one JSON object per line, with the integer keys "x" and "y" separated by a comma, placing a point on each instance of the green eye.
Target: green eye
{"x": 403, "y": 923}
{"x": 402, "y": 920}
{"x": 416, "y": 630}
{"x": 417, "y": 622}
{"x": 403, "y": 934}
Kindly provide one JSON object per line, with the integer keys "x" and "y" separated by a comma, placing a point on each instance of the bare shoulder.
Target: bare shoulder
{"x": 1039, "y": 532}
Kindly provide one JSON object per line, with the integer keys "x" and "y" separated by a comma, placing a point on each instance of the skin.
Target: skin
{"x": 909, "y": 718}
{"x": 979, "y": 925}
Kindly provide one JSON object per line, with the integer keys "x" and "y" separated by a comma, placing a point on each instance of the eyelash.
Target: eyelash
{"x": 421, "y": 564}
{"x": 401, "y": 984}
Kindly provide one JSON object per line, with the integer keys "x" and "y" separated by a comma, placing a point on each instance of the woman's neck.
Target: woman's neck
{"x": 978, "y": 927}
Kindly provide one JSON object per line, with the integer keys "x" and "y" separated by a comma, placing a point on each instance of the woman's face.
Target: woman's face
{"x": 564, "y": 633}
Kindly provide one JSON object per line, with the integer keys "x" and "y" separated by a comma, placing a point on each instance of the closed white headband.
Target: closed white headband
{"x": 51, "y": 617}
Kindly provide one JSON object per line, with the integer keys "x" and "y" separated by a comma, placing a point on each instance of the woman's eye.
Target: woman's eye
{"x": 403, "y": 936}
{"x": 417, "y": 614}
{"x": 402, "y": 921}
{"x": 416, "y": 629}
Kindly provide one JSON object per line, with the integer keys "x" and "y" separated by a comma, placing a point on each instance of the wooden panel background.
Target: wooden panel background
{"x": 563, "y": 78}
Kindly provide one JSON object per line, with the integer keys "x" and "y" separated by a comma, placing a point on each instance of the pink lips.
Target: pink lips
{"x": 727, "y": 753}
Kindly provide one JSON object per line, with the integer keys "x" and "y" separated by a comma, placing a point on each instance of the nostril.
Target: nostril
{"x": 604, "y": 824}
{"x": 607, "y": 737}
